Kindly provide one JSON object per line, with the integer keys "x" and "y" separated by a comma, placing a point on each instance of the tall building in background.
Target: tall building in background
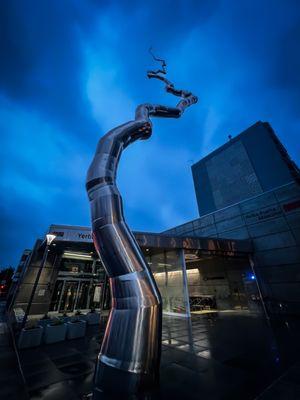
{"x": 249, "y": 189}
{"x": 249, "y": 193}
{"x": 250, "y": 164}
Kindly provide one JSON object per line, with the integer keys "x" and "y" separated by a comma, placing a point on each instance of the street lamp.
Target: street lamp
{"x": 49, "y": 239}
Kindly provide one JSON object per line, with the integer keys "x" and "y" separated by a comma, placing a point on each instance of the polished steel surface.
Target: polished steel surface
{"x": 132, "y": 340}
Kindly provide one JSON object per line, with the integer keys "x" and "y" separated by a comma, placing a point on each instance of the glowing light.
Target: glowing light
{"x": 77, "y": 255}
{"x": 50, "y": 237}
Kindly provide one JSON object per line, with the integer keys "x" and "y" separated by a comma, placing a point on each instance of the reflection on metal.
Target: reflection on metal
{"x": 130, "y": 353}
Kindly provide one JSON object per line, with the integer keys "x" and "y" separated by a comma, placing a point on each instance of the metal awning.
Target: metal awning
{"x": 81, "y": 238}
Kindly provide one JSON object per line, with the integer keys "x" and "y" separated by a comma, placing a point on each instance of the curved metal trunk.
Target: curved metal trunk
{"x": 130, "y": 354}
{"x": 130, "y": 351}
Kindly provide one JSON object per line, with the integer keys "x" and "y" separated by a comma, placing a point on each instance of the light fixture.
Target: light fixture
{"x": 77, "y": 255}
{"x": 191, "y": 256}
{"x": 192, "y": 271}
{"x": 49, "y": 238}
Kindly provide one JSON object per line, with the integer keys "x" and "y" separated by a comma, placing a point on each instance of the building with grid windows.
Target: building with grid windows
{"x": 252, "y": 163}
{"x": 249, "y": 188}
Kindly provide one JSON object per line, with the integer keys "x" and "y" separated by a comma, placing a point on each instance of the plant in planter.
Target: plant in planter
{"x": 45, "y": 320}
{"x": 31, "y": 325}
{"x": 65, "y": 317}
{"x": 30, "y": 336}
{"x": 79, "y": 316}
{"x": 55, "y": 331}
{"x": 76, "y": 328}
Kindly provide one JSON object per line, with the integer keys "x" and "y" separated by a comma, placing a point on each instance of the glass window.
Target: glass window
{"x": 76, "y": 266}
{"x": 69, "y": 296}
{"x": 99, "y": 270}
{"x": 168, "y": 273}
{"x": 96, "y": 294}
{"x": 56, "y": 296}
{"x": 220, "y": 283}
{"x": 83, "y": 296}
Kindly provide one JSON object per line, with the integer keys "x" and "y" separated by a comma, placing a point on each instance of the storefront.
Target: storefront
{"x": 192, "y": 274}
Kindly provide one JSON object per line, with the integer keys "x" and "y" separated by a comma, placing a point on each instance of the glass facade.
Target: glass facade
{"x": 188, "y": 280}
{"x": 79, "y": 285}
{"x": 169, "y": 273}
{"x": 221, "y": 283}
{"x": 191, "y": 273}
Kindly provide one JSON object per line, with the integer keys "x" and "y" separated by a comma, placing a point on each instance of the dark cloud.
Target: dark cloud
{"x": 41, "y": 63}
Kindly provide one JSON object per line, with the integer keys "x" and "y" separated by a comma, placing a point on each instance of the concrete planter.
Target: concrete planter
{"x": 30, "y": 337}
{"x": 93, "y": 318}
{"x": 76, "y": 329}
{"x": 44, "y": 322}
{"x": 55, "y": 333}
{"x": 65, "y": 319}
{"x": 82, "y": 317}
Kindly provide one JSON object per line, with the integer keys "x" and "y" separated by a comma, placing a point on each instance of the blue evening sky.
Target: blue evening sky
{"x": 71, "y": 70}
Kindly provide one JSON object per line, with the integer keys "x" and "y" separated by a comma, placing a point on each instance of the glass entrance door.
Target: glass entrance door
{"x": 83, "y": 298}
{"x": 68, "y": 296}
{"x": 79, "y": 294}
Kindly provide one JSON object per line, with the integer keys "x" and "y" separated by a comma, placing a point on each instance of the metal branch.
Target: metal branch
{"x": 160, "y": 60}
{"x": 170, "y": 88}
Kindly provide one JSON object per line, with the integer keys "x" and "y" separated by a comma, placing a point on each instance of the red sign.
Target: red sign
{"x": 291, "y": 206}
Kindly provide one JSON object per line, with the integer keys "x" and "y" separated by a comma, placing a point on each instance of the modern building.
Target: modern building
{"x": 252, "y": 163}
{"x": 17, "y": 277}
{"x": 244, "y": 248}
{"x": 249, "y": 189}
{"x": 74, "y": 278}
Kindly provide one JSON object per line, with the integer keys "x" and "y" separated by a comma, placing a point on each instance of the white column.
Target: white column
{"x": 185, "y": 284}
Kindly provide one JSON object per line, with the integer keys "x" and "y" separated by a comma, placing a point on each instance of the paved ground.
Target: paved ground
{"x": 218, "y": 356}
{"x": 286, "y": 387}
{"x": 11, "y": 382}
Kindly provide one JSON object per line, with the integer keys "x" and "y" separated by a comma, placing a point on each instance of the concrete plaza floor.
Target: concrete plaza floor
{"x": 12, "y": 383}
{"x": 214, "y": 356}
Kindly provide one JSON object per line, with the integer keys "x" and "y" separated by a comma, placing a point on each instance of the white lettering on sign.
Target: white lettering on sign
{"x": 41, "y": 292}
{"x": 85, "y": 236}
{"x": 263, "y": 214}
{"x": 72, "y": 235}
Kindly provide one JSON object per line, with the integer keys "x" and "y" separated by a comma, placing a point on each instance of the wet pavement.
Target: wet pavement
{"x": 214, "y": 356}
{"x": 11, "y": 381}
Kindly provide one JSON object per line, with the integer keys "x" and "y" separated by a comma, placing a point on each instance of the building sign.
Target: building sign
{"x": 291, "y": 206}
{"x": 261, "y": 215}
{"x": 270, "y": 212}
{"x": 71, "y": 234}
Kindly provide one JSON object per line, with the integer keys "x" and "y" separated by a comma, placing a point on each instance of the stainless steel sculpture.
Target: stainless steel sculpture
{"x": 130, "y": 353}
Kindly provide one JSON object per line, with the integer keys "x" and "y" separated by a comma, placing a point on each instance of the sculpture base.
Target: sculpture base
{"x": 115, "y": 381}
